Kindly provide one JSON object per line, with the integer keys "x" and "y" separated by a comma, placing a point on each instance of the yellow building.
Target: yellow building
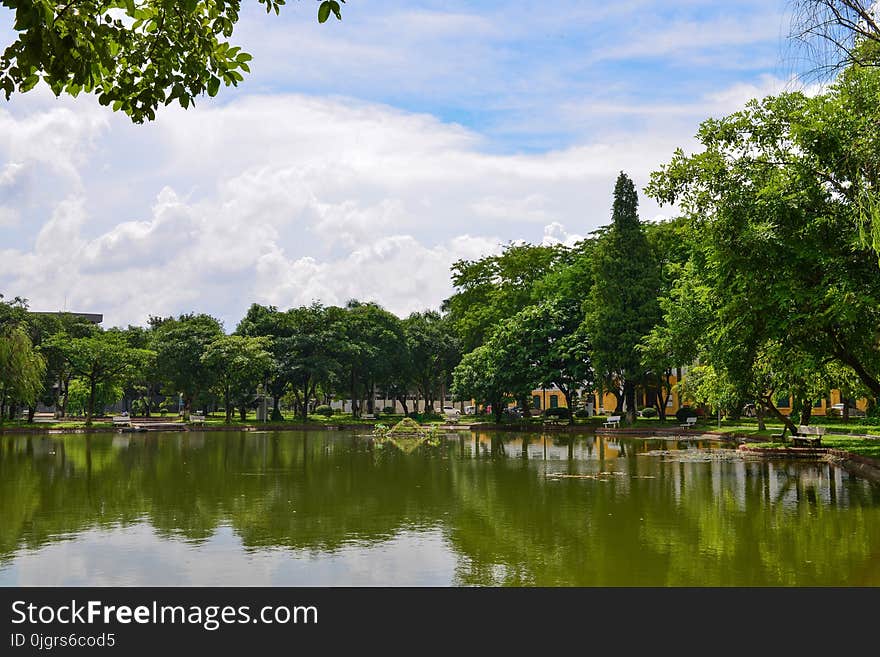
{"x": 646, "y": 395}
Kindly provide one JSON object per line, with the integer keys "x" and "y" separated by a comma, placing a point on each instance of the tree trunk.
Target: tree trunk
{"x": 64, "y": 403}
{"x": 276, "y": 410}
{"x": 355, "y": 411}
{"x": 305, "y": 401}
{"x": 806, "y": 411}
{"x": 618, "y": 396}
{"x": 402, "y": 400}
{"x": 497, "y": 411}
{"x": 629, "y": 393}
{"x": 242, "y": 412}
{"x": 786, "y": 421}
{"x": 227, "y": 402}
{"x": 840, "y": 350}
{"x": 32, "y": 409}
{"x": 56, "y": 399}
{"x": 91, "y": 407}
{"x": 567, "y": 393}
{"x": 759, "y": 415}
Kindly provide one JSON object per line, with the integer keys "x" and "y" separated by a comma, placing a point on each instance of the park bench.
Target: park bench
{"x": 369, "y": 416}
{"x": 807, "y": 436}
{"x": 197, "y": 418}
{"x": 121, "y": 421}
{"x": 689, "y": 422}
{"x": 613, "y": 421}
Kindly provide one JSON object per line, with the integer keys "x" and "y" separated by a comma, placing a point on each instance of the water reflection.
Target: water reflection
{"x": 328, "y": 508}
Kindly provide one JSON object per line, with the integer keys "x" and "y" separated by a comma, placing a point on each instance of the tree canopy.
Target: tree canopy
{"x": 134, "y": 55}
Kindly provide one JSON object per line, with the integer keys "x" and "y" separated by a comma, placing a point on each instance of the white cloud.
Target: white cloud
{"x": 285, "y": 199}
{"x": 555, "y": 233}
{"x": 8, "y": 217}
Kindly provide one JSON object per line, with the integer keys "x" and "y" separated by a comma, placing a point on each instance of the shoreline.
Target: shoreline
{"x": 862, "y": 466}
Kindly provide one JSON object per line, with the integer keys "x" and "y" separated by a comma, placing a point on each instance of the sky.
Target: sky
{"x": 361, "y": 158}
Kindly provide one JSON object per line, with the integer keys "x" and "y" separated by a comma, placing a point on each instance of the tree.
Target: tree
{"x": 491, "y": 289}
{"x": 276, "y": 327}
{"x": 99, "y": 359}
{"x": 179, "y": 345}
{"x": 310, "y": 355}
{"x": 239, "y": 365}
{"x": 433, "y": 350}
{"x": 662, "y": 350}
{"x": 837, "y": 33}
{"x": 625, "y": 290}
{"x": 133, "y": 54}
{"x": 372, "y": 349}
{"x": 780, "y": 260}
{"x": 544, "y": 345}
{"x": 21, "y": 368}
{"x": 142, "y": 380}
{"x": 482, "y": 376}
{"x": 79, "y": 395}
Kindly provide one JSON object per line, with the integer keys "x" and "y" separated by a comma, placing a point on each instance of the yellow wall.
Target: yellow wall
{"x": 608, "y": 401}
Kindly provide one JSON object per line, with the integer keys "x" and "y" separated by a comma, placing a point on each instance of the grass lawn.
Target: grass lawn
{"x": 862, "y": 446}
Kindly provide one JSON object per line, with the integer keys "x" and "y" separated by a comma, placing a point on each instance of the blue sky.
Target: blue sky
{"x": 360, "y": 158}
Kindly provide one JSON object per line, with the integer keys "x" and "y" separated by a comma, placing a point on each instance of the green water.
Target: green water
{"x": 329, "y": 508}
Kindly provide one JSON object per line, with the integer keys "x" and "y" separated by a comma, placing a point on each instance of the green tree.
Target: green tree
{"x": 276, "y": 326}
{"x": 21, "y": 368}
{"x": 179, "y": 344}
{"x": 372, "y": 351}
{"x": 780, "y": 264}
{"x": 624, "y": 301}
{"x": 544, "y": 345}
{"x": 239, "y": 365}
{"x": 79, "y": 393}
{"x": 433, "y": 350}
{"x": 494, "y": 288}
{"x": 99, "y": 359}
{"x": 134, "y": 55}
{"x": 664, "y": 351}
{"x": 311, "y": 354}
{"x": 482, "y": 375}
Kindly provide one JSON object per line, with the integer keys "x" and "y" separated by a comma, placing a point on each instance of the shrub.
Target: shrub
{"x": 649, "y": 412}
{"x": 685, "y": 412}
{"x": 324, "y": 410}
{"x": 582, "y": 413}
{"x": 388, "y": 410}
{"x": 560, "y": 412}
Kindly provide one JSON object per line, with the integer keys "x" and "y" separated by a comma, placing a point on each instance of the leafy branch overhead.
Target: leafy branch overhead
{"x": 134, "y": 55}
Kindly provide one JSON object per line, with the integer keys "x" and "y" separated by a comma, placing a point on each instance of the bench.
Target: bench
{"x": 613, "y": 421}
{"x": 121, "y": 421}
{"x": 807, "y": 436}
{"x": 369, "y": 416}
{"x": 197, "y": 418}
{"x": 689, "y": 422}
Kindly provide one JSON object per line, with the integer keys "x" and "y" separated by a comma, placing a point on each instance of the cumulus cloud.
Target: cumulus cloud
{"x": 286, "y": 199}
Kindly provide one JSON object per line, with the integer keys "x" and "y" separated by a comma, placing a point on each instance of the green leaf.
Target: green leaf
{"x": 29, "y": 82}
{"x": 213, "y": 86}
{"x": 334, "y": 7}
{"x": 324, "y": 12}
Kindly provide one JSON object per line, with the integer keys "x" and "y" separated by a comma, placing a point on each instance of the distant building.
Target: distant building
{"x": 94, "y": 318}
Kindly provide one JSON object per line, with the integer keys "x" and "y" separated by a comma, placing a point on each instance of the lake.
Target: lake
{"x": 330, "y": 508}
